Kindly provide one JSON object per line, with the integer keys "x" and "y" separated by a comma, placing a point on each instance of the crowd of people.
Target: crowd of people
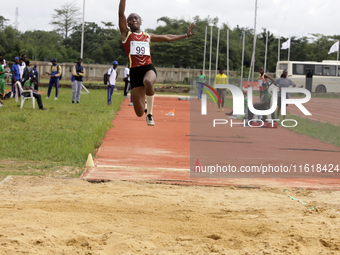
{"x": 265, "y": 95}
{"x": 22, "y": 71}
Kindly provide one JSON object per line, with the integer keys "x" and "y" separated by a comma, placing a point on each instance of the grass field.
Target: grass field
{"x": 118, "y": 83}
{"x": 62, "y": 136}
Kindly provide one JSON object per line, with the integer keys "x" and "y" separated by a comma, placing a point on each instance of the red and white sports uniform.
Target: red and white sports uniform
{"x": 137, "y": 48}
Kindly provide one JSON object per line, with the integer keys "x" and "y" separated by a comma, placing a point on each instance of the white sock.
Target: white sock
{"x": 149, "y": 102}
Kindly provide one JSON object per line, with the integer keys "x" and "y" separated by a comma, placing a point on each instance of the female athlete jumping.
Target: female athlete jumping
{"x": 137, "y": 47}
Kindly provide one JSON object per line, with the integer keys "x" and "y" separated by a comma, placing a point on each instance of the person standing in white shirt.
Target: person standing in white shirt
{"x": 126, "y": 80}
{"x": 23, "y": 65}
{"x": 111, "y": 81}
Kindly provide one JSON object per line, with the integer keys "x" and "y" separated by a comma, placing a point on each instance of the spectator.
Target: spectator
{"x": 77, "y": 79}
{"x": 15, "y": 75}
{"x": 264, "y": 103}
{"x": 24, "y": 58}
{"x": 21, "y": 66}
{"x": 8, "y": 70}
{"x": 111, "y": 81}
{"x": 126, "y": 80}
{"x": 28, "y": 72}
{"x": 282, "y": 82}
{"x": 55, "y": 75}
{"x": 29, "y": 85}
{"x": 262, "y": 79}
{"x": 201, "y": 78}
{"x": 2, "y": 79}
{"x": 2, "y": 58}
{"x": 221, "y": 78}
{"x": 36, "y": 74}
{"x": 131, "y": 103}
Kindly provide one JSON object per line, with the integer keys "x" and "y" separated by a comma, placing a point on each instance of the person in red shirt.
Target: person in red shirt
{"x": 137, "y": 47}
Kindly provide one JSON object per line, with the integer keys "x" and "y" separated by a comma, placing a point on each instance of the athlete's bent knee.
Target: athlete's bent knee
{"x": 148, "y": 82}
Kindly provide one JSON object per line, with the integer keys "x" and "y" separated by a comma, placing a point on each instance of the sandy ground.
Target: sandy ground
{"x": 42, "y": 215}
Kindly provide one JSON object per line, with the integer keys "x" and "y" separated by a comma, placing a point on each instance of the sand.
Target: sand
{"x": 42, "y": 215}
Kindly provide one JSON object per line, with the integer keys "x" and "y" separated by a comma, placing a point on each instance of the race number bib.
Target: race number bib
{"x": 139, "y": 48}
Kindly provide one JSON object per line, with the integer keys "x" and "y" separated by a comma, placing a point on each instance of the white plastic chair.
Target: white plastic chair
{"x": 23, "y": 98}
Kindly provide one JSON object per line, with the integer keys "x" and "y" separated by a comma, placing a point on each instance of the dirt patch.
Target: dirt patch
{"x": 57, "y": 216}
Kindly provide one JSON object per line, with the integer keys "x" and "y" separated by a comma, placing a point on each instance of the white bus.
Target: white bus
{"x": 319, "y": 77}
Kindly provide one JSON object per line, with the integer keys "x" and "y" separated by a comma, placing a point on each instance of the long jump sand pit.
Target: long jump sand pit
{"x": 58, "y": 216}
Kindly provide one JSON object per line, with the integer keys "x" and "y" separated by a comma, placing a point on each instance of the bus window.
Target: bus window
{"x": 318, "y": 70}
{"x": 329, "y": 70}
{"x": 298, "y": 69}
{"x": 283, "y": 66}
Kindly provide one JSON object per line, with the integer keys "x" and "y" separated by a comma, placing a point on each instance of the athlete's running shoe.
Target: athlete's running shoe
{"x": 149, "y": 120}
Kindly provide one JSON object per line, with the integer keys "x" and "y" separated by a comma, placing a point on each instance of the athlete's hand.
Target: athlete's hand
{"x": 190, "y": 28}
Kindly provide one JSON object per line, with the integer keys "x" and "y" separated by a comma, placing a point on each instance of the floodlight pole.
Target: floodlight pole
{"x": 337, "y": 62}
{"x": 254, "y": 45}
{"x": 244, "y": 35}
{"x": 218, "y": 46}
{"x": 265, "y": 55}
{"x": 228, "y": 56}
{"x": 205, "y": 50}
{"x": 290, "y": 44}
{"x": 82, "y": 32}
{"x": 210, "y": 53}
{"x": 278, "y": 51}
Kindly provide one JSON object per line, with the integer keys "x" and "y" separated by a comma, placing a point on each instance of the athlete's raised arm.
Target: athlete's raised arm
{"x": 171, "y": 38}
{"x": 122, "y": 20}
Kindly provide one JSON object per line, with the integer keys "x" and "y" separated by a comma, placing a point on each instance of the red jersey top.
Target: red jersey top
{"x": 137, "y": 48}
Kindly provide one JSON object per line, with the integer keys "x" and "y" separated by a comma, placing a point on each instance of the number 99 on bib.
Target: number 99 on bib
{"x": 139, "y": 48}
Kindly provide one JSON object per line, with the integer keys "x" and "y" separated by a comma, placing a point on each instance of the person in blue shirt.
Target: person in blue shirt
{"x": 15, "y": 74}
{"x": 55, "y": 75}
{"x": 36, "y": 74}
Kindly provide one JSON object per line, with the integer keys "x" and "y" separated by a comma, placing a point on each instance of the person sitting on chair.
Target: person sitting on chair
{"x": 29, "y": 85}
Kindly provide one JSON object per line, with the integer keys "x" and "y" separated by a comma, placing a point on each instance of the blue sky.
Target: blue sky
{"x": 284, "y": 17}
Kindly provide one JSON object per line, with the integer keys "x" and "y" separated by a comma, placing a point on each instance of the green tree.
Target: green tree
{"x": 65, "y": 18}
{"x": 3, "y": 21}
{"x": 101, "y": 45}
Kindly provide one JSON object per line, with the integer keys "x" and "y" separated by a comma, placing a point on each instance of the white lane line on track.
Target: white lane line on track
{"x": 144, "y": 168}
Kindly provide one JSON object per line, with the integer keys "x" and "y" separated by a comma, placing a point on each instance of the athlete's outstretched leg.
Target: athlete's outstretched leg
{"x": 138, "y": 94}
{"x": 149, "y": 80}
